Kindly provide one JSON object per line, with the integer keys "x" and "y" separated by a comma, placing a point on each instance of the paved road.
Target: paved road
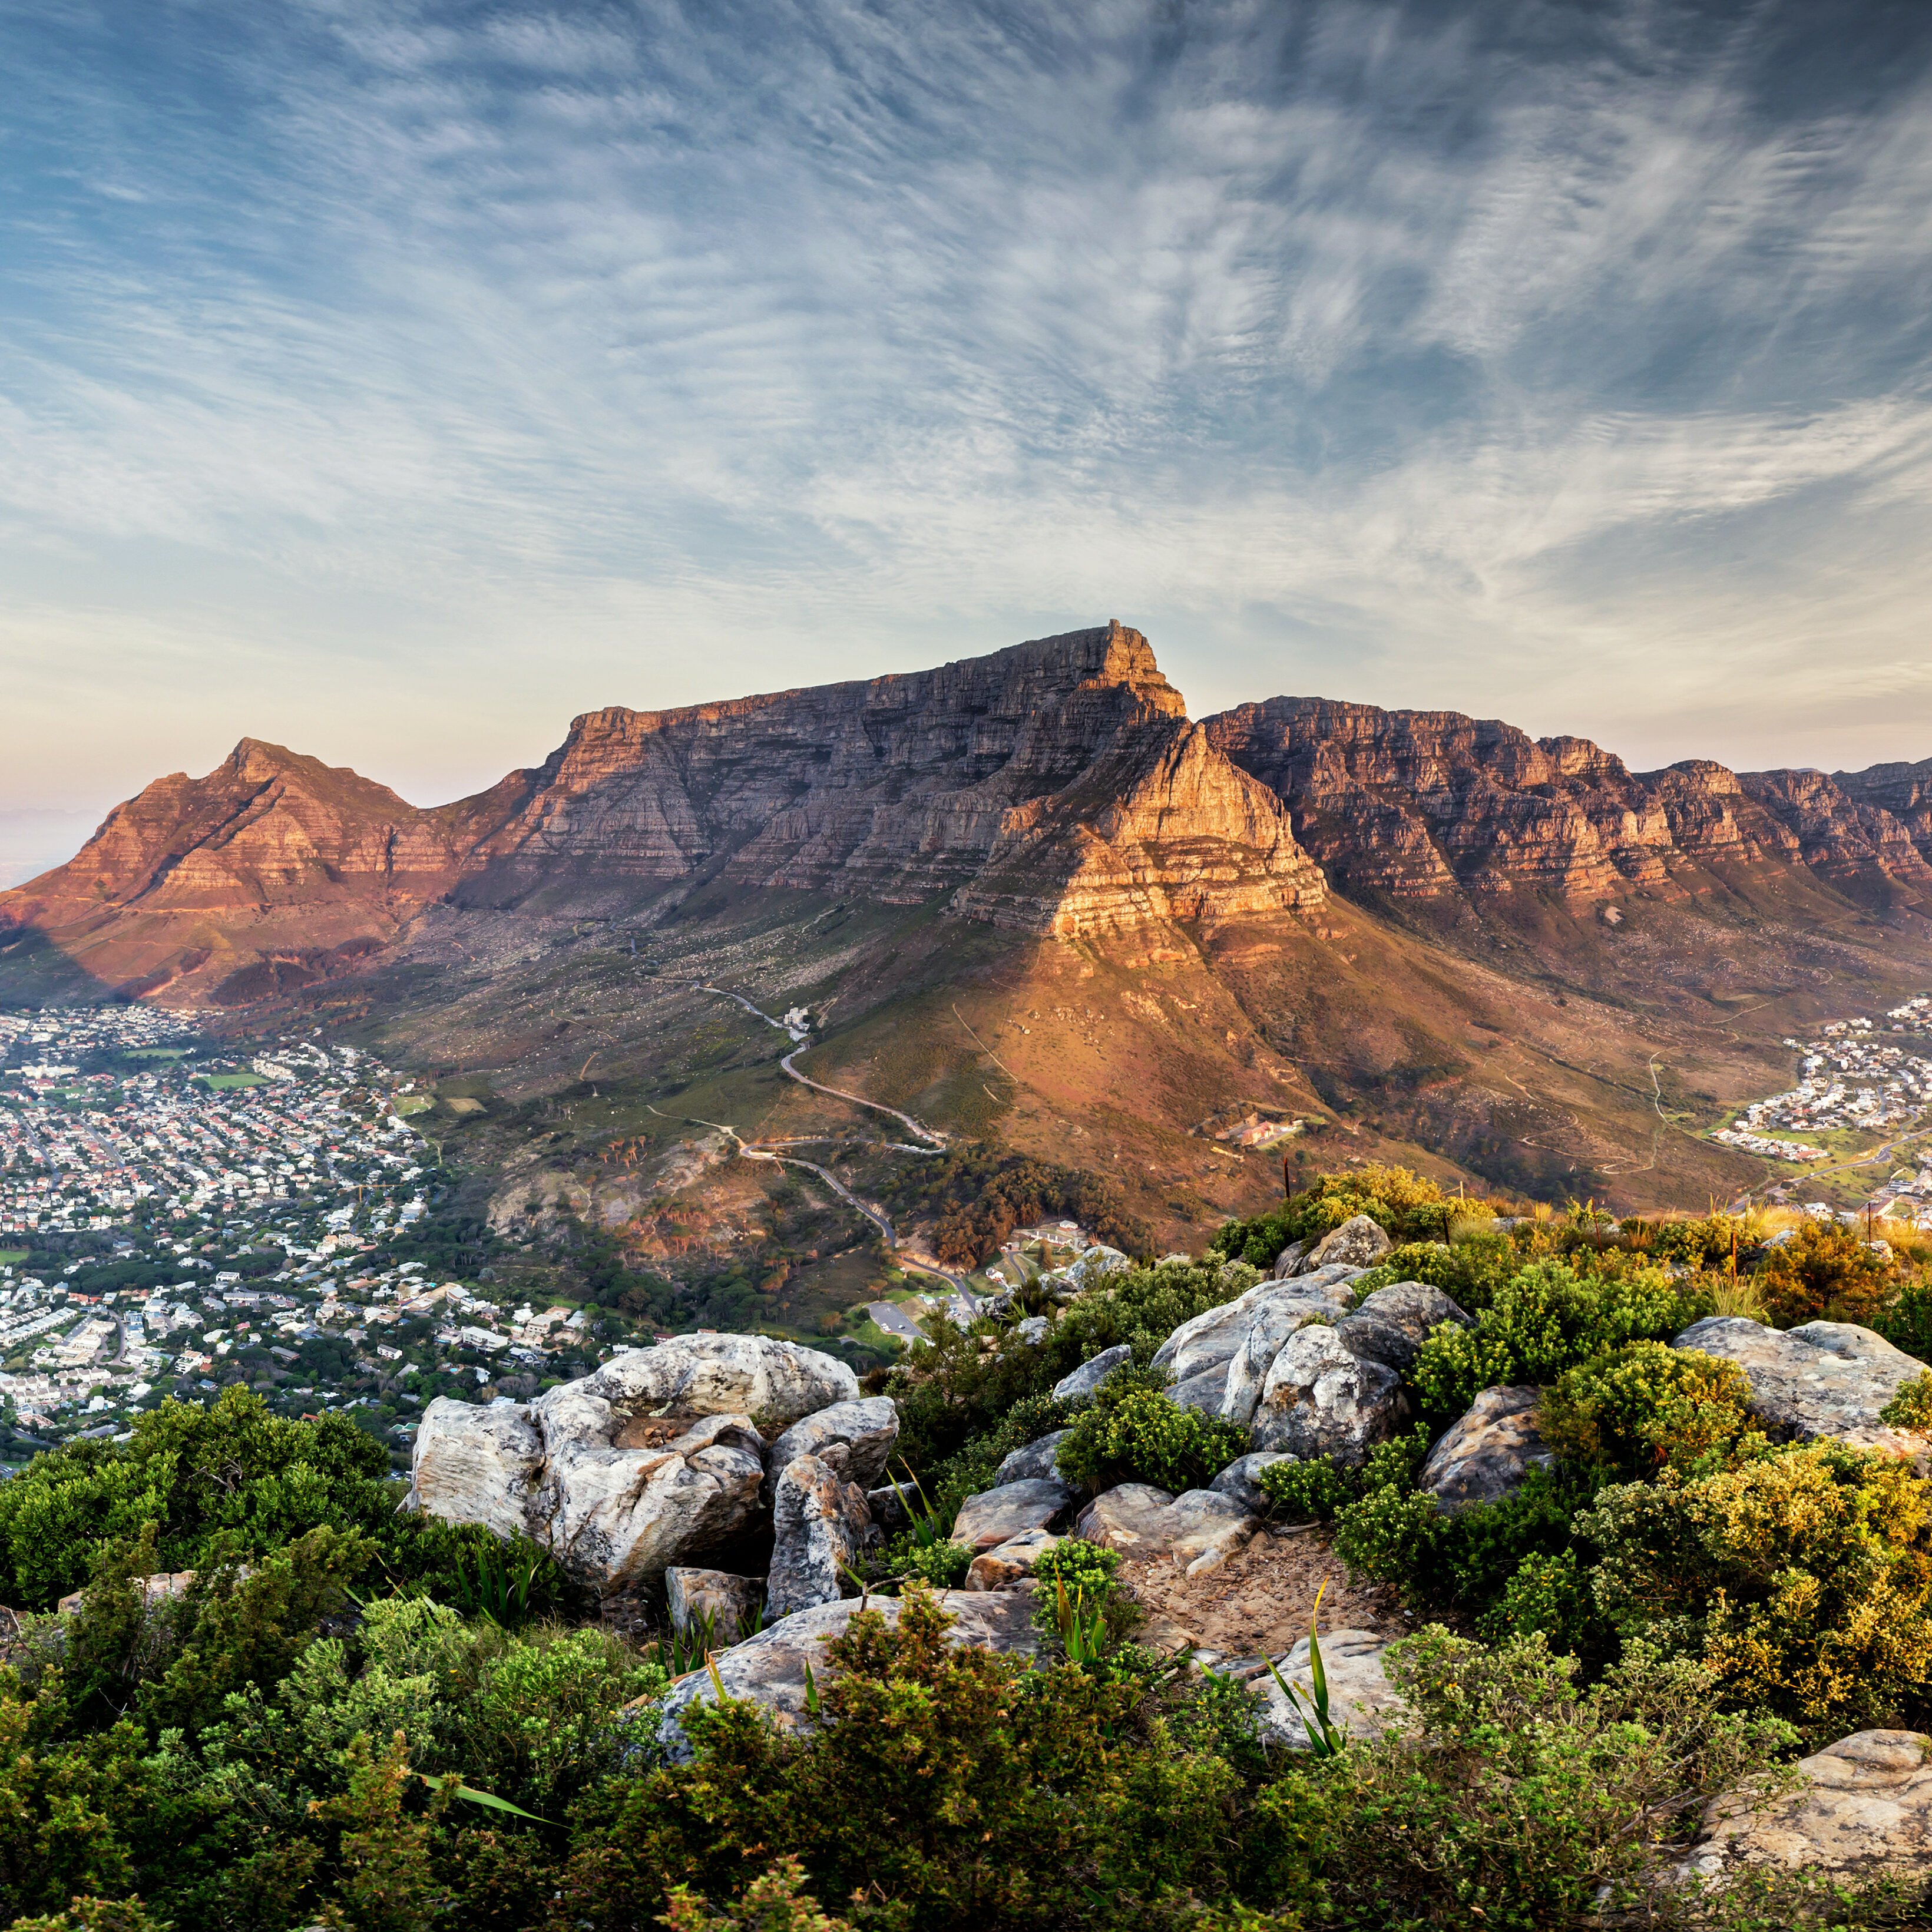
{"x": 895, "y": 1321}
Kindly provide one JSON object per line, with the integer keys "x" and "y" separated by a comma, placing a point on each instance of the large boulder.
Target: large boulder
{"x": 713, "y": 1599}
{"x": 1241, "y": 1479}
{"x": 776, "y": 1383}
{"x": 1825, "y": 1379}
{"x": 1864, "y": 1813}
{"x": 1217, "y": 1361}
{"x": 1035, "y": 1461}
{"x": 769, "y": 1669}
{"x": 1011, "y": 1562}
{"x": 1361, "y": 1699}
{"x": 1322, "y": 1399}
{"x": 994, "y": 1517}
{"x": 1485, "y": 1455}
{"x": 1130, "y": 1517}
{"x": 1358, "y": 1242}
{"x": 820, "y": 1526}
{"x": 473, "y": 1463}
{"x": 858, "y": 1434}
{"x": 1197, "y": 1531}
{"x": 1079, "y": 1385}
{"x": 1390, "y": 1325}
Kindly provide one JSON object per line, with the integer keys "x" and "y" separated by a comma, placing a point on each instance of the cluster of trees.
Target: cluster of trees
{"x": 978, "y": 1195}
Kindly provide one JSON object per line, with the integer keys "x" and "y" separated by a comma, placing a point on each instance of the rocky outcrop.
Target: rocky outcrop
{"x": 712, "y": 1600}
{"x": 1358, "y": 1242}
{"x": 1863, "y": 1813}
{"x": 1361, "y": 1699}
{"x": 1079, "y": 1384}
{"x": 821, "y": 1527}
{"x": 855, "y": 1437}
{"x": 1241, "y": 1479}
{"x": 1217, "y": 1361}
{"x": 995, "y": 1516}
{"x": 1390, "y": 1325}
{"x": 1486, "y": 1453}
{"x": 1036, "y": 1460}
{"x": 770, "y": 1669}
{"x": 1197, "y": 1531}
{"x": 1825, "y": 1379}
{"x": 650, "y": 1461}
{"x": 1322, "y": 1399}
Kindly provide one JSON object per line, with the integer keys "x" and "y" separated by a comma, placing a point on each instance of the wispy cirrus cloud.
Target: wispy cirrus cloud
{"x": 448, "y": 368}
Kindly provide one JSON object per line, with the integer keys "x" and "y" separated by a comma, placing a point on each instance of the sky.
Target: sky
{"x": 395, "y": 380}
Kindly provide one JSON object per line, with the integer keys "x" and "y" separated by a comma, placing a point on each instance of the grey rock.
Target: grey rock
{"x": 1485, "y": 1455}
{"x": 866, "y": 1429}
{"x": 1390, "y": 1325}
{"x": 821, "y": 1526}
{"x": 1825, "y": 1379}
{"x": 769, "y": 1669}
{"x": 1211, "y": 1339}
{"x": 722, "y": 1374}
{"x": 1087, "y": 1269}
{"x": 1864, "y": 1813}
{"x": 1205, "y": 1392}
{"x": 887, "y": 1506}
{"x": 1130, "y": 1518}
{"x": 1361, "y": 1697}
{"x": 1358, "y": 1242}
{"x": 1240, "y": 1480}
{"x": 1034, "y": 1461}
{"x": 1033, "y": 1331}
{"x": 1271, "y": 1322}
{"x": 1080, "y": 1385}
{"x": 1286, "y": 1262}
{"x": 1011, "y": 1562}
{"x": 995, "y": 1516}
{"x": 1321, "y": 1399}
{"x": 477, "y": 1464}
{"x": 726, "y": 1602}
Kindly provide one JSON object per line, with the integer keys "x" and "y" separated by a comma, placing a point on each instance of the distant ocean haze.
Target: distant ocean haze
{"x": 33, "y": 838}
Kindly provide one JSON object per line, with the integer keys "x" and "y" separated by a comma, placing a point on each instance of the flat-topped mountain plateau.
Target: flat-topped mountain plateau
{"x": 1027, "y": 899}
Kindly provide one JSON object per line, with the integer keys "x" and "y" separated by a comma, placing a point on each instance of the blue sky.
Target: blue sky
{"x": 397, "y": 380}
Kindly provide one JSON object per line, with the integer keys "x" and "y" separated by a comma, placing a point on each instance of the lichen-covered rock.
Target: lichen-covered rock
{"x": 1130, "y": 1518}
{"x": 473, "y": 1463}
{"x": 1358, "y": 1242}
{"x": 1289, "y": 1260}
{"x": 1361, "y": 1698}
{"x": 1034, "y": 1461}
{"x": 1217, "y": 1361}
{"x": 1287, "y": 1311}
{"x": 769, "y": 1669}
{"x": 1825, "y": 1379}
{"x": 1240, "y": 1479}
{"x": 866, "y": 1430}
{"x": 819, "y": 1528}
{"x": 1080, "y": 1384}
{"x": 1864, "y": 1813}
{"x": 1321, "y": 1399}
{"x": 1485, "y": 1455}
{"x": 777, "y": 1382}
{"x": 696, "y": 1598}
{"x": 1087, "y": 1269}
{"x": 997, "y": 1516}
{"x": 621, "y": 1517}
{"x": 1390, "y": 1325}
{"x": 1201, "y": 1529}
{"x": 1010, "y": 1563}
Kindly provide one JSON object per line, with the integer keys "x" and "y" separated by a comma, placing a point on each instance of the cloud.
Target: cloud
{"x": 459, "y": 367}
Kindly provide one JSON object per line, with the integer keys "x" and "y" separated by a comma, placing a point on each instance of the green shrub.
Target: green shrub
{"x": 1906, "y": 1323}
{"x": 1316, "y": 1487}
{"x": 1411, "y": 1206}
{"x": 1645, "y": 1407}
{"x": 1708, "y": 1241}
{"x": 1803, "y": 1580}
{"x": 1133, "y": 1433}
{"x": 1469, "y": 1269}
{"x": 1545, "y": 1319}
{"x": 942, "y": 1564}
{"x": 1825, "y": 1273}
{"x": 1079, "y": 1565}
{"x": 1912, "y": 1407}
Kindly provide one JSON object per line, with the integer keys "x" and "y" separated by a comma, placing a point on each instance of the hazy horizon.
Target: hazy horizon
{"x": 395, "y": 381}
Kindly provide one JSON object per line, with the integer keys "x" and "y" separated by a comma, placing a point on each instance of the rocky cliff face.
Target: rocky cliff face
{"x": 1057, "y": 786}
{"x": 1423, "y": 804}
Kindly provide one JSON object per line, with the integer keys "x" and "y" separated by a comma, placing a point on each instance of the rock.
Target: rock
{"x": 1289, "y": 1260}
{"x": 866, "y": 1429}
{"x": 1272, "y": 1320}
{"x": 1864, "y": 1813}
{"x": 1361, "y": 1698}
{"x": 726, "y": 1603}
{"x": 995, "y": 1516}
{"x": 820, "y": 1526}
{"x": 1033, "y": 1331}
{"x": 164, "y": 1586}
{"x": 1321, "y": 1399}
{"x": 777, "y": 1382}
{"x": 1202, "y": 1529}
{"x": 1034, "y": 1462}
{"x": 1825, "y": 1379}
{"x": 1085, "y": 1271}
{"x": 1080, "y": 1385}
{"x": 1484, "y": 1456}
{"x": 769, "y": 1668}
{"x": 1239, "y": 1479}
{"x": 473, "y": 1463}
{"x": 1390, "y": 1325}
{"x": 1128, "y": 1518}
{"x": 1211, "y": 1339}
{"x": 619, "y": 1518}
{"x": 1001, "y": 1568}
{"x": 1359, "y": 1242}
{"x": 887, "y": 1506}
{"x": 1204, "y": 1392}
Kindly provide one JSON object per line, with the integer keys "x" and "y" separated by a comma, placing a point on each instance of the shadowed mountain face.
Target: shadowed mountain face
{"x": 1057, "y": 788}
